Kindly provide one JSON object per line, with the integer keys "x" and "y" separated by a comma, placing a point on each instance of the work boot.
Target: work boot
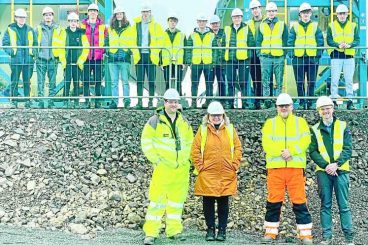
{"x": 66, "y": 104}
{"x": 221, "y": 235}
{"x": 126, "y": 104}
{"x": 27, "y": 104}
{"x": 267, "y": 239}
{"x": 210, "y": 236}
{"x": 150, "y": 104}
{"x": 41, "y": 105}
{"x": 350, "y": 105}
{"x": 178, "y": 237}
{"x": 335, "y": 105}
{"x": 326, "y": 241}
{"x": 139, "y": 105}
{"x": 113, "y": 105}
{"x": 85, "y": 105}
{"x": 13, "y": 105}
{"x": 307, "y": 241}
{"x": 149, "y": 240}
{"x": 97, "y": 104}
{"x": 51, "y": 104}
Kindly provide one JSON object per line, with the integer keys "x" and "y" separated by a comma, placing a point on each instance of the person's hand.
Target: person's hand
{"x": 285, "y": 154}
{"x": 331, "y": 169}
{"x": 347, "y": 45}
{"x": 342, "y": 45}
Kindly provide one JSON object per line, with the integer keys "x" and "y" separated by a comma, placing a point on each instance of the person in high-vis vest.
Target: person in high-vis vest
{"x": 21, "y": 59}
{"x": 149, "y": 35}
{"x": 72, "y": 58}
{"x": 216, "y": 154}
{"x": 172, "y": 54}
{"x": 200, "y": 55}
{"x": 331, "y": 150}
{"x": 218, "y": 67}
{"x": 48, "y": 34}
{"x": 255, "y": 63}
{"x": 96, "y": 33}
{"x": 120, "y": 36}
{"x": 166, "y": 142}
{"x": 236, "y": 40}
{"x": 305, "y": 36}
{"x": 342, "y": 36}
{"x": 272, "y": 36}
{"x": 285, "y": 140}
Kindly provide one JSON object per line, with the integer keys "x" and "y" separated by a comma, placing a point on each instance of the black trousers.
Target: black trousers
{"x": 222, "y": 211}
{"x": 72, "y": 73}
{"x": 179, "y": 76}
{"x": 302, "y": 215}
{"x": 240, "y": 67}
{"x": 145, "y": 66}
{"x": 219, "y": 73}
{"x": 27, "y": 72}
{"x": 196, "y": 75}
{"x": 255, "y": 73}
{"x": 95, "y": 67}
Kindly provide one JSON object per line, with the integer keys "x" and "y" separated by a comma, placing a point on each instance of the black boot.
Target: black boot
{"x": 221, "y": 235}
{"x": 210, "y": 236}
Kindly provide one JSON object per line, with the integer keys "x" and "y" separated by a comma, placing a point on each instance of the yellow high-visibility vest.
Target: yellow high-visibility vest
{"x": 56, "y": 41}
{"x": 338, "y": 143}
{"x": 305, "y": 39}
{"x": 173, "y": 51}
{"x": 124, "y": 40}
{"x": 202, "y": 49}
{"x": 241, "y": 42}
{"x": 272, "y": 38}
{"x": 345, "y": 34}
{"x": 13, "y": 40}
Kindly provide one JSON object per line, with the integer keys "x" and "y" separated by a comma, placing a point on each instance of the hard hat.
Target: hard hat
{"x": 118, "y": 10}
{"x": 236, "y": 12}
{"x": 271, "y": 6}
{"x": 215, "y": 107}
{"x": 202, "y": 17}
{"x": 20, "y": 13}
{"x": 254, "y": 4}
{"x": 73, "y": 16}
{"x": 171, "y": 94}
{"x": 172, "y": 15}
{"x": 305, "y": 6}
{"x": 93, "y": 6}
{"x": 342, "y": 9}
{"x": 146, "y": 7}
{"x": 214, "y": 19}
{"x": 47, "y": 10}
{"x": 284, "y": 99}
{"x": 323, "y": 101}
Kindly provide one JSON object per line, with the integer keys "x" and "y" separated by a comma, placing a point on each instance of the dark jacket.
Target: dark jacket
{"x": 328, "y": 141}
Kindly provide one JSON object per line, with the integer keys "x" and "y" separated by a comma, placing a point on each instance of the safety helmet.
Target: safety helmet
{"x": 73, "y": 16}
{"x": 215, "y": 107}
{"x": 47, "y": 10}
{"x": 305, "y": 6}
{"x": 146, "y": 7}
{"x": 202, "y": 17}
{"x": 93, "y": 6}
{"x": 271, "y": 6}
{"x": 214, "y": 19}
{"x": 20, "y": 13}
{"x": 118, "y": 10}
{"x": 236, "y": 12}
{"x": 324, "y": 101}
{"x": 284, "y": 99}
{"x": 254, "y": 4}
{"x": 172, "y": 15}
{"x": 342, "y": 9}
{"x": 171, "y": 94}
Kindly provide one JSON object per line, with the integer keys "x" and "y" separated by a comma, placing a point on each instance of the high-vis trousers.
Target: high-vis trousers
{"x": 167, "y": 193}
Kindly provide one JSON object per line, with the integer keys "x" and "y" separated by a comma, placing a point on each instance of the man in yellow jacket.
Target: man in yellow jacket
{"x": 285, "y": 140}
{"x": 166, "y": 142}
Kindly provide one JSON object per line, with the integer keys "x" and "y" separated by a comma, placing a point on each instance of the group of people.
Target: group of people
{"x": 228, "y": 55}
{"x": 216, "y": 150}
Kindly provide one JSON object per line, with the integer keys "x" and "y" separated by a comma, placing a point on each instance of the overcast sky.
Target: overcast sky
{"x": 187, "y": 10}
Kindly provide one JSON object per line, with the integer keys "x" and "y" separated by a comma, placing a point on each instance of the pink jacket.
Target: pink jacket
{"x": 98, "y": 38}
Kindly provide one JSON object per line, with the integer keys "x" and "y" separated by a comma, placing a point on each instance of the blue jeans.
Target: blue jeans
{"x": 348, "y": 67}
{"x": 326, "y": 185}
{"x": 120, "y": 70}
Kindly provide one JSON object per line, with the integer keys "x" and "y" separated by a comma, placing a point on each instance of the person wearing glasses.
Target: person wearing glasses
{"x": 285, "y": 140}
{"x": 216, "y": 154}
{"x": 331, "y": 150}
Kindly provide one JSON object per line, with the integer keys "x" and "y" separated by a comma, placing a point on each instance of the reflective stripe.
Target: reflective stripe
{"x": 305, "y": 230}
{"x": 175, "y": 204}
{"x": 202, "y": 49}
{"x": 271, "y": 227}
{"x": 305, "y": 38}
{"x": 304, "y": 226}
{"x": 274, "y": 231}
{"x": 295, "y": 159}
{"x": 153, "y": 217}
{"x": 343, "y": 34}
{"x": 272, "y": 38}
{"x": 156, "y": 205}
{"x": 174, "y": 216}
{"x": 174, "y": 52}
{"x": 124, "y": 39}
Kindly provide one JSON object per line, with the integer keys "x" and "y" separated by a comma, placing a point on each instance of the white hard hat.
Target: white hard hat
{"x": 271, "y": 6}
{"x": 324, "y": 101}
{"x": 284, "y": 99}
{"x": 171, "y": 94}
{"x": 118, "y": 10}
{"x": 214, "y": 19}
{"x": 342, "y": 8}
{"x": 93, "y": 6}
{"x": 73, "y": 16}
{"x": 20, "y": 13}
{"x": 215, "y": 107}
{"x": 47, "y": 10}
{"x": 202, "y": 17}
{"x": 305, "y": 6}
{"x": 254, "y": 4}
{"x": 236, "y": 12}
{"x": 172, "y": 15}
{"x": 146, "y": 7}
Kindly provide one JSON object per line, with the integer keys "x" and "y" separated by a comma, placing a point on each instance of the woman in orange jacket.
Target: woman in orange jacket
{"x": 216, "y": 154}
